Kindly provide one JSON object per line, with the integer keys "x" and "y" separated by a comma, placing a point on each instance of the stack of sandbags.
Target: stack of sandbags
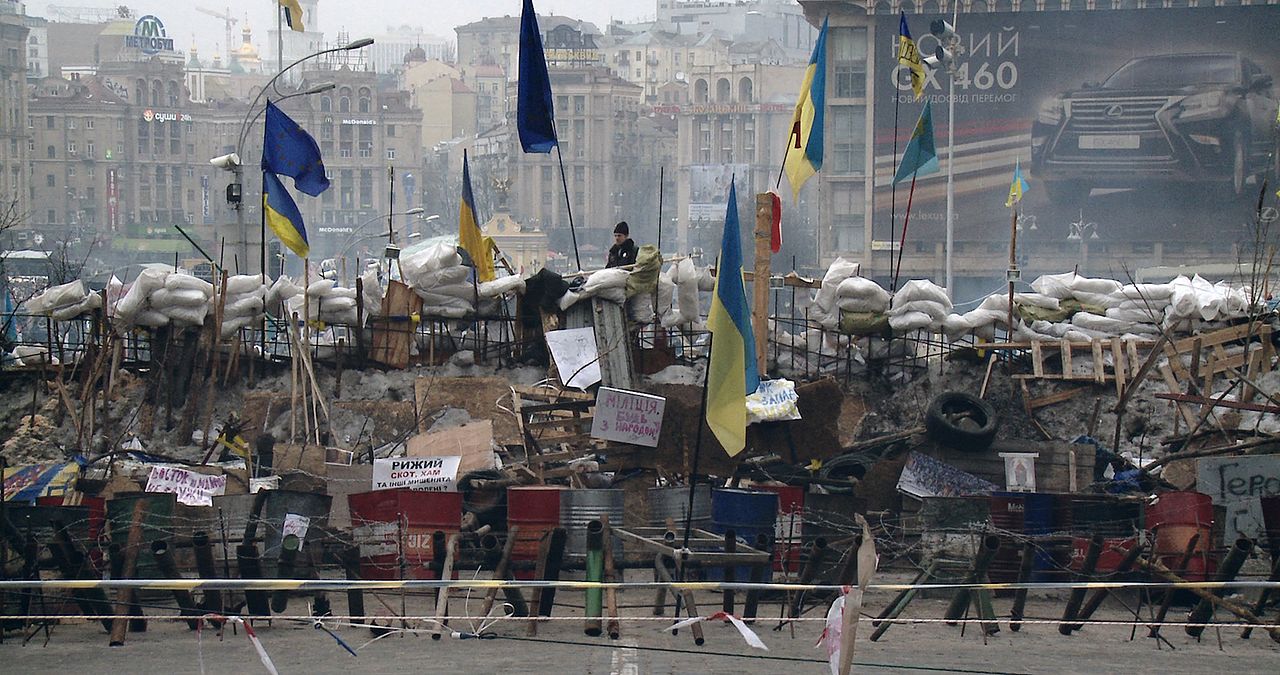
{"x": 64, "y": 302}
{"x": 438, "y": 276}
{"x": 133, "y": 308}
{"x": 244, "y": 303}
{"x": 501, "y": 286}
{"x": 326, "y": 302}
{"x": 609, "y": 284}
{"x": 686, "y": 311}
{"x": 919, "y": 304}
{"x": 161, "y": 296}
{"x": 824, "y": 310}
{"x": 861, "y": 304}
{"x": 281, "y": 291}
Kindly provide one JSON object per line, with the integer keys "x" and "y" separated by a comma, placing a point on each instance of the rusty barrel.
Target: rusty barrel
{"x": 1174, "y": 518}
{"x": 394, "y": 530}
{"x": 535, "y": 509}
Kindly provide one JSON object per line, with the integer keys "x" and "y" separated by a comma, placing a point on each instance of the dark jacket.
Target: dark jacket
{"x": 623, "y": 254}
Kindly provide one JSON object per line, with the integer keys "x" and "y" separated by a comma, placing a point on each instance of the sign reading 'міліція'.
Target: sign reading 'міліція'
{"x": 431, "y": 474}
{"x": 628, "y": 417}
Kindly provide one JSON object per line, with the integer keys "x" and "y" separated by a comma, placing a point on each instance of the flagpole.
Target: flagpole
{"x": 1013, "y": 260}
{"x": 568, "y": 207}
{"x": 893, "y": 193}
{"x": 693, "y": 473}
{"x": 906, "y": 219}
{"x": 662, "y": 172}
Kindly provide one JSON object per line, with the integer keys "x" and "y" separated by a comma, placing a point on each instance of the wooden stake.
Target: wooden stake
{"x": 124, "y": 598}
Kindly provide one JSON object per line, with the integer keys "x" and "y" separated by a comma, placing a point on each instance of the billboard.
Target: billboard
{"x": 709, "y": 189}
{"x": 1149, "y": 125}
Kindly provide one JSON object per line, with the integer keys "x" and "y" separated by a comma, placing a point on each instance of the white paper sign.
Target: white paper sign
{"x": 430, "y": 474}
{"x": 191, "y": 488}
{"x": 574, "y": 351}
{"x": 628, "y": 417}
{"x": 297, "y": 526}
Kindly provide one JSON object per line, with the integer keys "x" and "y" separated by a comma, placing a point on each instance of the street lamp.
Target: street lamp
{"x": 944, "y": 57}
{"x": 1082, "y": 231}
{"x": 352, "y": 239}
{"x": 232, "y": 161}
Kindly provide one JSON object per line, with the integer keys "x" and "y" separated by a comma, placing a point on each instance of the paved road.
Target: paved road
{"x": 561, "y": 647}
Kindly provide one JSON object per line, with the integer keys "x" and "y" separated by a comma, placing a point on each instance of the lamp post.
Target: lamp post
{"x": 948, "y": 49}
{"x": 1082, "y": 231}
{"x": 352, "y": 239}
{"x": 232, "y": 162}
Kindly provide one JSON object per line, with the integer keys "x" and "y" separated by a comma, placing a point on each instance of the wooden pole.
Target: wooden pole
{"x": 120, "y": 625}
{"x": 1013, "y": 261}
{"x": 760, "y": 282}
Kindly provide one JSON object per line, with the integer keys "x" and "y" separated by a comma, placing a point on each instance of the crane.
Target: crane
{"x": 230, "y": 21}
{"x": 75, "y": 14}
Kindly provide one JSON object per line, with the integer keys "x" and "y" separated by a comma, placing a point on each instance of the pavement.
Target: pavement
{"x": 560, "y": 646}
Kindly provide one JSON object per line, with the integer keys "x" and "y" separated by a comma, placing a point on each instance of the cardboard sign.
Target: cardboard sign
{"x": 191, "y": 488}
{"x": 431, "y": 474}
{"x": 576, "y": 357}
{"x": 297, "y": 526}
{"x": 473, "y": 442}
{"x": 628, "y": 417}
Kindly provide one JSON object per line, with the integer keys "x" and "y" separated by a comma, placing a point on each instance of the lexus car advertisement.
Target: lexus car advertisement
{"x": 1150, "y": 125}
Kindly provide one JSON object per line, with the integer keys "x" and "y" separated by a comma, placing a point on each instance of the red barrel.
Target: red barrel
{"x": 1114, "y": 549}
{"x": 535, "y": 510}
{"x": 787, "y": 528}
{"x": 1174, "y": 518}
{"x": 394, "y": 530}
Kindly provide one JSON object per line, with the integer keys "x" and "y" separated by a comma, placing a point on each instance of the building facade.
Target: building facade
{"x": 14, "y": 135}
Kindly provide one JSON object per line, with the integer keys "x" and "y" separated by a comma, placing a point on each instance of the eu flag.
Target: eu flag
{"x": 535, "y": 115}
{"x": 282, "y": 215}
{"x": 731, "y": 372}
{"x": 287, "y": 150}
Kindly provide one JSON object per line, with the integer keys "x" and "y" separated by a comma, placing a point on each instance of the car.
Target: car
{"x": 1203, "y": 119}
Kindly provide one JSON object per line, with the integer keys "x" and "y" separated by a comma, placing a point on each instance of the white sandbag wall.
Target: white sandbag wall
{"x": 245, "y": 302}
{"x": 438, "y": 276}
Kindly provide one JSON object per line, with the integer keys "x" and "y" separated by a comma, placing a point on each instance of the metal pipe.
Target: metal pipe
{"x": 758, "y": 572}
{"x": 250, "y": 566}
{"x": 900, "y": 603}
{"x": 1261, "y": 605}
{"x": 69, "y": 559}
{"x": 1020, "y": 596}
{"x": 730, "y": 571}
{"x": 1077, "y": 594}
{"x": 289, "y": 547}
{"x": 128, "y": 564}
{"x": 595, "y": 572}
{"x": 986, "y": 553}
{"x": 1095, "y": 600}
{"x": 1226, "y": 572}
{"x": 207, "y": 570}
{"x": 164, "y": 560}
{"x": 817, "y": 552}
{"x": 1181, "y": 570}
{"x": 355, "y": 596}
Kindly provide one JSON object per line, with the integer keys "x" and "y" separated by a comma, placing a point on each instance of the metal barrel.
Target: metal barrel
{"x": 579, "y": 507}
{"x": 673, "y": 503}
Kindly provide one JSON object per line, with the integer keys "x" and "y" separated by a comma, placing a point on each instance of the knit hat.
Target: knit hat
{"x": 622, "y": 228}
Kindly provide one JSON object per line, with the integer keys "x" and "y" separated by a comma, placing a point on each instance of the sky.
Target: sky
{"x": 439, "y": 17}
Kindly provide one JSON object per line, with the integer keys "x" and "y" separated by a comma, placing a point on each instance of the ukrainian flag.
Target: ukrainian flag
{"x": 731, "y": 374}
{"x": 282, "y": 215}
{"x": 470, "y": 238}
{"x": 292, "y": 14}
{"x": 1017, "y": 187}
{"x": 804, "y": 147}
{"x": 909, "y": 56}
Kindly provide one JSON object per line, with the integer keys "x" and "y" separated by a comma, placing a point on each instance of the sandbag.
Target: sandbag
{"x": 179, "y": 296}
{"x": 1135, "y": 315}
{"x": 150, "y": 319}
{"x": 232, "y": 325}
{"x": 685, "y": 276}
{"x": 921, "y": 289}
{"x": 955, "y": 325}
{"x": 179, "y": 281}
{"x": 1081, "y": 284}
{"x": 240, "y": 284}
{"x": 245, "y": 306}
{"x": 910, "y": 321}
{"x": 863, "y": 323}
{"x": 57, "y": 297}
{"x": 501, "y": 286}
{"x": 443, "y": 277}
{"x": 1037, "y": 300}
{"x": 186, "y": 316}
{"x": 1055, "y": 285}
{"x": 644, "y": 274}
{"x": 862, "y": 304}
{"x": 373, "y": 292}
{"x": 1148, "y": 292}
{"x": 320, "y": 288}
{"x": 839, "y": 270}
{"x": 1101, "y": 324}
{"x": 604, "y": 279}
{"x": 337, "y": 304}
{"x": 90, "y": 303}
{"x": 935, "y": 310}
{"x": 863, "y": 289}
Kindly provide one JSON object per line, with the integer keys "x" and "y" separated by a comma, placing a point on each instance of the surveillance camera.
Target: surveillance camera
{"x": 944, "y": 31}
{"x": 942, "y": 58}
{"x": 227, "y": 162}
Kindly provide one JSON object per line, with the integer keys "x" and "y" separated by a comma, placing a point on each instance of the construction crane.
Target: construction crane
{"x": 230, "y": 21}
{"x": 73, "y": 14}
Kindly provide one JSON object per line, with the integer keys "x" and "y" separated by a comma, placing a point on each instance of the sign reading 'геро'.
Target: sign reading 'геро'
{"x": 1238, "y": 483}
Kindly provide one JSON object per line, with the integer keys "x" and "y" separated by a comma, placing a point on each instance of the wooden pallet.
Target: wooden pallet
{"x": 1124, "y": 356}
{"x": 1192, "y": 383}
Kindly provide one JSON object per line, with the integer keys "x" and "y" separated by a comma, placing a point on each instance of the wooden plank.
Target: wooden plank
{"x": 1193, "y": 374}
{"x": 1175, "y": 363}
{"x": 1099, "y": 370}
{"x": 1037, "y": 359}
{"x": 1064, "y": 348}
{"x": 1219, "y": 403}
{"x": 1175, "y": 388}
{"x": 1135, "y": 363}
{"x": 612, "y": 339}
{"x": 1056, "y": 397}
{"x": 1118, "y": 365}
{"x": 393, "y": 331}
{"x": 760, "y": 280}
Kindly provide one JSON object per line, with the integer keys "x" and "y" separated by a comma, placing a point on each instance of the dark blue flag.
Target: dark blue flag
{"x": 287, "y": 150}
{"x": 535, "y": 116}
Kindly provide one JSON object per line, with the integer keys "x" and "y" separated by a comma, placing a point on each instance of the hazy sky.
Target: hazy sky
{"x": 358, "y": 17}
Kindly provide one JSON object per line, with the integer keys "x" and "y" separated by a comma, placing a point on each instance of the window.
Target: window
{"x": 31, "y": 145}
{"x": 51, "y": 152}
{"x": 326, "y": 104}
{"x": 344, "y": 104}
{"x": 848, "y": 138}
{"x": 88, "y": 122}
{"x": 364, "y": 105}
{"x": 51, "y": 216}
{"x": 71, "y": 172}
{"x": 579, "y": 105}
{"x": 391, "y": 153}
{"x": 48, "y": 122}
{"x": 89, "y": 149}
{"x": 848, "y": 223}
{"x": 50, "y": 181}
{"x": 391, "y": 130}
{"x": 71, "y": 123}
{"x": 71, "y": 147}
{"x": 848, "y": 53}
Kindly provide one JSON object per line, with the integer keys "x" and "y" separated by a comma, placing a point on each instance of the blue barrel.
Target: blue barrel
{"x": 1037, "y": 522}
{"x": 749, "y": 513}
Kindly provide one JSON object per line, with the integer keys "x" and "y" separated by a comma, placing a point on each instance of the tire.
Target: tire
{"x": 961, "y": 421}
{"x": 1067, "y": 192}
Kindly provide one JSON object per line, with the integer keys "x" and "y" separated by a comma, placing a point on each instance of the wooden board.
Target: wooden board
{"x": 393, "y": 331}
{"x": 308, "y": 459}
{"x": 472, "y": 441}
{"x": 613, "y": 341}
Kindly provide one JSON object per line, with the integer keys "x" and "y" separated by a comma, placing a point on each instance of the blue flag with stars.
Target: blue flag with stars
{"x": 287, "y": 150}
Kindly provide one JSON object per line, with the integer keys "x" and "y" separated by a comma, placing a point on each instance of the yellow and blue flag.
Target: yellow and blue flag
{"x": 731, "y": 373}
{"x": 804, "y": 147}
{"x": 921, "y": 156}
{"x": 1018, "y": 186}
{"x": 535, "y": 113}
{"x": 909, "y": 56}
{"x": 470, "y": 238}
{"x": 288, "y": 150}
{"x": 292, "y": 14}
{"x": 282, "y": 215}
